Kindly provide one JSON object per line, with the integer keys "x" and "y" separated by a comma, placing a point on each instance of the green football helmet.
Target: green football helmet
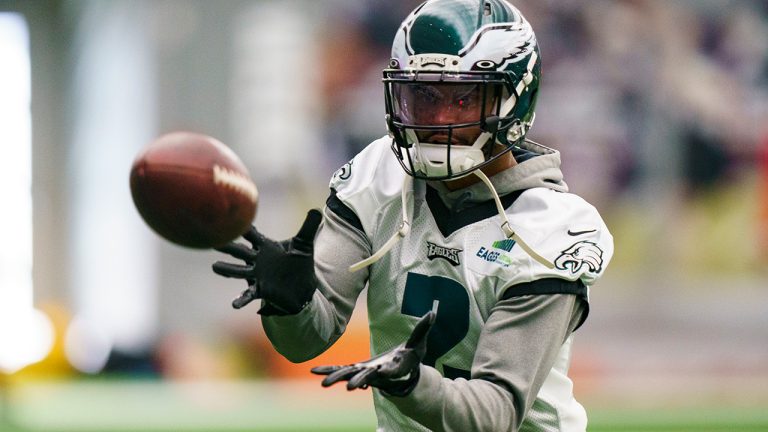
{"x": 461, "y": 86}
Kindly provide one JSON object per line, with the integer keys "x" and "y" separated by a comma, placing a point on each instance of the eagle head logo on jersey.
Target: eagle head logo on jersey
{"x": 580, "y": 254}
{"x": 344, "y": 172}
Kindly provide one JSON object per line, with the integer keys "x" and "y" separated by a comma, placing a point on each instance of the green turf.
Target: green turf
{"x": 667, "y": 423}
{"x": 601, "y": 421}
{"x": 130, "y": 406}
{"x": 594, "y": 427}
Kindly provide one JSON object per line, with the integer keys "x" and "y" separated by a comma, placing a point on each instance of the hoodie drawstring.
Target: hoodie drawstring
{"x": 402, "y": 231}
{"x": 508, "y": 231}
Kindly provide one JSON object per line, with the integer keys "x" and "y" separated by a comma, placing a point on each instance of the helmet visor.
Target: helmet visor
{"x": 445, "y": 103}
{"x": 440, "y": 104}
{"x": 441, "y": 112}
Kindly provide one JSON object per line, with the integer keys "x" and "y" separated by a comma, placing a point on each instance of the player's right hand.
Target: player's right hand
{"x": 280, "y": 273}
{"x": 396, "y": 371}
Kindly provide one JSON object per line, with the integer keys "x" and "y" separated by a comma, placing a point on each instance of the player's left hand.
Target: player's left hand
{"x": 396, "y": 372}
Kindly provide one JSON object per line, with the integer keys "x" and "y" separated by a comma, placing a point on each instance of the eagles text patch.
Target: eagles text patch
{"x": 448, "y": 254}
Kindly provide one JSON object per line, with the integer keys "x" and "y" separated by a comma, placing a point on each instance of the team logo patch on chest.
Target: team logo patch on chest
{"x": 448, "y": 254}
{"x": 496, "y": 256}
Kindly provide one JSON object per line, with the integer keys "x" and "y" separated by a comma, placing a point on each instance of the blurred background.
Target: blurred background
{"x": 659, "y": 108}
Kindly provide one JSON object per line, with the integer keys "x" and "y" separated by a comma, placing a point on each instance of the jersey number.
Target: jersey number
{"x": 452, "y": 320}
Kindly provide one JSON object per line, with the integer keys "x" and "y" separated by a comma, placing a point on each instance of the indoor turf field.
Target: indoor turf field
{"x": 152, "y": 406}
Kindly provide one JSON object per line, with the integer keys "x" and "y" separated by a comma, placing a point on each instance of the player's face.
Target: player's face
{"x": 445, "y": 104}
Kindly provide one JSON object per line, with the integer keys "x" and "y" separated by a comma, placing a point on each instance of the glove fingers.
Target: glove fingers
{"x": 342, "y": 374}
{"x": 305, "y": 239}
{"x": 247, "y": 296}
{"x": 362, "y": 379}
{"x": 239, "y": 251}
{"x": 421, "y": 330}
{"x": 254, "y": 237}
{"x": 324, "y": 370}
{"x": 233, "y": 270}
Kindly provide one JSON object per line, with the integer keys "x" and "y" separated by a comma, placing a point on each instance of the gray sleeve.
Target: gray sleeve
{"x": 516, "y": 351}
{"x": 305, "y": 335}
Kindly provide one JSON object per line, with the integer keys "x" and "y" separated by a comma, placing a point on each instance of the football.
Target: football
{"x": 193, "y": 190}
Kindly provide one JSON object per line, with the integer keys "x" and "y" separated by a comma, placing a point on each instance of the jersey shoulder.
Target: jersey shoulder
{"x": 369, "y": 181}
{"x": 565, "y": 229}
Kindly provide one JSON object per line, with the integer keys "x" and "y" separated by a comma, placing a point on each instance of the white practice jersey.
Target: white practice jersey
{"x": 461, "y": 264}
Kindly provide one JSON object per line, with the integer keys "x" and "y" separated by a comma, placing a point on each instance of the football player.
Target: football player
{"x": 478, "y": 260}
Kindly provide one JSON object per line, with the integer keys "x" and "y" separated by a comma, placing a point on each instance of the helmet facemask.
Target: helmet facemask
{"x": 443, "y": 124}
{"x": 446, "y": 124}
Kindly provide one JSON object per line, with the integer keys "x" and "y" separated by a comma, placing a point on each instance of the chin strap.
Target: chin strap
{"x": 508, "y": 231}
{"x": 402, "y": 231}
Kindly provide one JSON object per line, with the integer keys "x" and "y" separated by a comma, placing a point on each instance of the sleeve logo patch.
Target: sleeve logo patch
{"x": 344, "y": 172}
{"x": 580, "y": 254}
{"x": 448, "y": 254}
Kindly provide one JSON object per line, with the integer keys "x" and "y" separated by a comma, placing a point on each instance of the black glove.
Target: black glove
{"x": 396, "y": 372}
{"x": 281, "y": 273}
